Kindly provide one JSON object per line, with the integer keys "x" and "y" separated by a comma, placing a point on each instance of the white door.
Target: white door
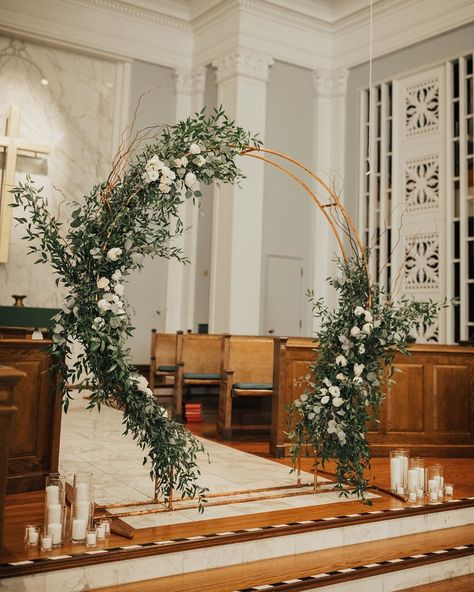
{"x": 283, "y": 296}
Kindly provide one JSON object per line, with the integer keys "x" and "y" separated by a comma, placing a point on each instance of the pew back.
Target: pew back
{"x": 250, "y": 359}
{"x": 163, "y": 366}
{"x": 200, "y": 353}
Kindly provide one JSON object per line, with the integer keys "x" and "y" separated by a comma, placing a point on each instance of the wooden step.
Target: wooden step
{"x": 462, "y": 584}
{"x": 329, "y": 567}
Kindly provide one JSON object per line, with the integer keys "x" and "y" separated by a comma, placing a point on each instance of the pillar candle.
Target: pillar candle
{"x": 404, "y": 469}
{"x": 52, "y": 494}
{"x": 55, "y": 530}
{"x": 78, "y": 529}
{"x": 54, "y": 513}
{"x": 419, "y": 492}
{"x": 47, "y": 543}
{"x": 394, "y": 473}
{"x": 433, "y": 496}
{"x": 433, "y": 486}
{"x": 101, "y": 531}
{"x": 82, "y": 492}
{"x": 449, "y": 490}
{"x": 412, "y": 496}
{"x": 33, "y": 536}
{"x": 421, "y": 477}
{"x": 412, "y": 479}
{"x": 82, "y": 510}
{"x": 91, "y": 539}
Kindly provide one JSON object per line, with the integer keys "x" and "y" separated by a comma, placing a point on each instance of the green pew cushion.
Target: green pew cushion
{"x": 167, "y": 368}
{"x": 252, "y": 386}
{"x": 201, "y": 376}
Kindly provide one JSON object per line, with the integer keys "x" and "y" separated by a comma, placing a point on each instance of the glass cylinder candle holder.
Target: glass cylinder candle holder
{"x": 46, "y": 542}
{"x": 101, "y": 530}
{"x": 106, "y": 523}
{"x": 55, "y": 489}
{"x": 399, "y": 470}
{"x": 27, "y": 530}
{"x": 434, "y": 483}
{"x": 448, "y": 489}
{"x": 416, "y": 477}
{"x": 55, "y": 523}
{"x": 82, "y": 513}
{"x": 91, "y": 538}
{"x": 32, "y": 535}
{"x": 82, "y": 487}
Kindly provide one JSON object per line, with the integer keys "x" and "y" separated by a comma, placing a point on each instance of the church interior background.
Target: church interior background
{"x": 375, "y": 96}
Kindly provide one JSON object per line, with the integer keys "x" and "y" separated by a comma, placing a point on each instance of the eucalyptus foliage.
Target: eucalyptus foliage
{"x": 132, "y": 215}
{"x": 356, "y": 343}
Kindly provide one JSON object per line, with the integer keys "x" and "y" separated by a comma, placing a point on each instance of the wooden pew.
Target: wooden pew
{"x": 163, "y": 367}
{"x": 429, "y": 410}
{"x": 199, "y": 362}
{"x": 247, "y": 368}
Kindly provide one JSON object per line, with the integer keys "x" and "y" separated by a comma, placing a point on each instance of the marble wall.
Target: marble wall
{"x": 67, "y": 102}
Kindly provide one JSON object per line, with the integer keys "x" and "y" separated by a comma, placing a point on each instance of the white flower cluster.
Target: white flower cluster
{"x": 157, "y": 171}
{"x": 142, "y": 384}
{"x": 111, "y": 300}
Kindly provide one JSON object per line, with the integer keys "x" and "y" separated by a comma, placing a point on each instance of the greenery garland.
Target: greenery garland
{"x": 355, "y": 347}
{"x": 132, "y": 215}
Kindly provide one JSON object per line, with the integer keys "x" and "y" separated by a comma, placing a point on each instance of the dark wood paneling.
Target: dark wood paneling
{"x": 34, "y": 446}
{"x": 430, "y": 409}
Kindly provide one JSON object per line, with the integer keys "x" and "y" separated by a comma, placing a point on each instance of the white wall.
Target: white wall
{"x": 204, "y": 230}
{"x": 73, "y": 115}
{"x": 288, "y": 210}
{"x": 147, "y": 290}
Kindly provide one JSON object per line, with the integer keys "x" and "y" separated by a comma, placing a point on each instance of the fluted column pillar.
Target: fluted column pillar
{"x": 236, "y": 264}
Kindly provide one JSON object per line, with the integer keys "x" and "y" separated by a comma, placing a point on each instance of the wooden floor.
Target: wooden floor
{"x": 27, "y": 508}
{"x": 268, "y": 571}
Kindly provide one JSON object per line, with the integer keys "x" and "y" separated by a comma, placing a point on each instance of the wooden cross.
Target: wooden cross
{"x": 12, "y": 145}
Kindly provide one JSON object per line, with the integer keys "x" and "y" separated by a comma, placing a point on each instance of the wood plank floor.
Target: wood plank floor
{"x": 462, "y": 584}
{"x": 268, "y": 571}
{"x": 25, "y": 508}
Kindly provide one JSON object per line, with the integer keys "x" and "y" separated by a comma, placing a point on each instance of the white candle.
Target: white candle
{"x": 47, "y": 543}
{"x": 440, "y": 494}
{"x": 412, "y": 479}
{"x": 54, "y": 513}
{"x": 433, "y": 486}
{"x": 449, "y": 490}
{"x": 82, "y": 510}
{"x": 55, "y": 530}
{"x": 434, "y": 496}
{"x": 400, "y": 490}
{"x": 107, "y": 527}
{"x": 52, "y": 494}
{"x": 404, "y": 468}
{"x": 92, "y": 538}
{"x": 82, "y": 492}
{"x": 78, "y": 529}
{"x": 33, "y": 536}
{"x": 101, "y": 531}
{"x": 412, "y": 496}
{"x": 419, "y": 493}
{"x": 394, "y": 473}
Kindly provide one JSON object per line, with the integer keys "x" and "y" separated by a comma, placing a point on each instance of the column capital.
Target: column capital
{"x": 251, "y": 64}
{"x": 189, "y": 80}
{"x": 330, "y": 83}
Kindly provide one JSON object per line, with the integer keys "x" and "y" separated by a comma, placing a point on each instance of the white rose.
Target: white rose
{"x": 98, "y": 323}
{"x": 114, "y": 253}
{"x": 367, "y": 328}
{"x": 323, "y": 391}
{"x": 137, "y": 258}
{"x": 103, "y": 283}
{"x": 327, "y": 382}
{"x": 195, "y": 149}
{"x": 200, "y": 160}
{"x": 362, "y": 348}
{"x": 119, "y": 289}
{"x": 154, "y": 163}
{"x": 357, "y": 380}
{"x": 165, "y": 180}
{"x": 168, "y": 173}
{"x": 341, "y": 361}
{"x": 342, "y": 377}
{"x": 150, "y": 176}
{"x": 358, "y": 369}
{"x": 164, "y": 188}
{"x": 142, "y": 384}
{"x": 95, "y": 252}
{"x": 368, "y": 316}
{"x": 116, "y": 275}
{"x": 377, "y": 323}
{"x": 190, "y": 179}
{"x": 58, "y": 328}
{"x": 334, "y": 391}
{"x": 325, "y": 399}
{"x": 311, "y": 416}
{"x": 104, "y": 305}
{"x": 359, "y": 310}
{"x": 337, "y": 402}
{"x": 355, "y": 331}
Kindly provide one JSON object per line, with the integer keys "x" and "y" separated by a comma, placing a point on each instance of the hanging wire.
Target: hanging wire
{"x": 371, "y": 43}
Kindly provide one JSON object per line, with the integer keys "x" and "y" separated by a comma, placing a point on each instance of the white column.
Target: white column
{"x": 189, "y": 88}
{"x": 236, "y": 265}
{"x": 328, "y": 163}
